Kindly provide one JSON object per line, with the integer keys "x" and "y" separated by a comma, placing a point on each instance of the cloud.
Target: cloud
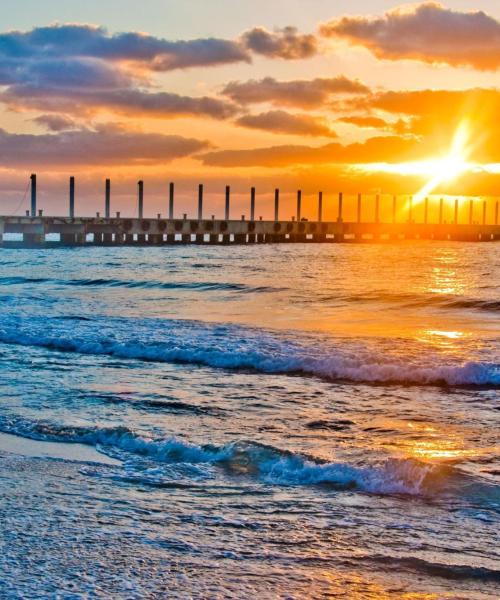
{"x": 434, "y": 116}
{"x": 280, "y": 121}
{"x": 55, "y": 122}
{"x": 89, "y": 41}
{"x": 123, "y": 101}
{"x": 365, "y": 122}
{"x": 400, "y": 126}
{"x": 104, "y": 146}
{"x": 284, "y": 43}
{"x": 302, "y": 93}
{"x": 427, "y": 32}
{"x": 377, "y": 149}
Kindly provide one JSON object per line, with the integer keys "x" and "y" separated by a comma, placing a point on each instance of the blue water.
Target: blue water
{"x": 274, "y": 421}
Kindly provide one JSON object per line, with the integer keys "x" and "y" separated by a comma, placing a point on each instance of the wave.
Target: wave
{"x": 131, "y": 284}
{"x": 160, "y": 405}
{"x": 271, "y": 465}
{"x": 236, "y": 347}
{"x": 410, "y": 300}
{"x": 446, "y": 571}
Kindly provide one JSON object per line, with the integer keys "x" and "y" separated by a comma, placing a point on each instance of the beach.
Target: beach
{"x": 275, "y": 421}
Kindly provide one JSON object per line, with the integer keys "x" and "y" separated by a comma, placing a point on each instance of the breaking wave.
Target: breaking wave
{"x": 271, "y": 465}
{"x": 236, "y": 347}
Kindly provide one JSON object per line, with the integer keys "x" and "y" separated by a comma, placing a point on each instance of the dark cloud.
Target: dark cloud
{"x": 280, "y": 121}
{"x": 377, "y": 149}
{"x": 88, "y": 41}
{"x": 285, "y": 43}
{"x": 122, "y": 101}
{"x": 55, "y": 122}
{"x": 302, "y": 93}
{"x": 104, "y": 146}
{"x": 428, "y": 32}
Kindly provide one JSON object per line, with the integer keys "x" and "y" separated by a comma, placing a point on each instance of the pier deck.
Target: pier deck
{"x": 88, "y": 231}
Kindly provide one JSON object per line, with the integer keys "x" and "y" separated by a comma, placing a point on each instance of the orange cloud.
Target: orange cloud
{"x": 377, "y": 149}
{"x": 301, "y": 93}
{"x": 427, "y": 32}
{"x": 435, "y": 115}
{"x": 280, "y": 121}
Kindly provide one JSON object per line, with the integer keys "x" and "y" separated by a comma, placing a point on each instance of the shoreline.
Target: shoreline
{"x": 13, "y": 444}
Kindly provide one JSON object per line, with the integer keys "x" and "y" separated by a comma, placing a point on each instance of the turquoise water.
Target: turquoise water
{"x": 286, "y": 422}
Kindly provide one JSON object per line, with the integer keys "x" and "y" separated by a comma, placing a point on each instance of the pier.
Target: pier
{"x": 37, "y": 229}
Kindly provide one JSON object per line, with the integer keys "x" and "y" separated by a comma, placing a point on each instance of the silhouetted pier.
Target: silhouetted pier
{"x": 115, "y": 231}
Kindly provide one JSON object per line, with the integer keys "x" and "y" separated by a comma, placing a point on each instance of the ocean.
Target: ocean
{"x": 274, "y": 421}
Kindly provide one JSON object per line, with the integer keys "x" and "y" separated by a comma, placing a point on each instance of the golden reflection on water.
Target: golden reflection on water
{"x": 428, "y": 442}
{"x": 356, "y": 587}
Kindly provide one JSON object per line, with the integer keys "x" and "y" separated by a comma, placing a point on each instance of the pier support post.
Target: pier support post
{"x": 426, "y": 210}
{"x": 320, "y": 207}
{"x": 171, "y": 201}
{"x": 252, "y": 204}
{"x": 1, "y": 231}
{"x": 455, "y": 216}
{"x": 299, "y": 205}
{"x": 33, "y": 194}
{"x": 471, "y": 211}
{"x": 227, "y": 210}
{"x": 377, "y": 208}
{"x": 140, "y": 192}
{"x": 341, "y": 198}
{"x": 107, "y": 207}
{"x": 484, "y": 212}
{"x": 71, "y": 197}
{"x": 394, "y": 208}
{"x": 410, "y": 209}
{"x": 440, "y": 211}
{"x": 200, "y": 202}
{"x": 358, "y": 210}
{"x": 276, "y": 204}
{"x": 496, "y": 213}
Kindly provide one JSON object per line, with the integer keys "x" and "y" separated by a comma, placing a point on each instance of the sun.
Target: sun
{"x": 450, "y": 166}
{"x": 437, "y": 170}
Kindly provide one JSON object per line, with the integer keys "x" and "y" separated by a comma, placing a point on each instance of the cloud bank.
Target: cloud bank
{"x": 427, "y": 32}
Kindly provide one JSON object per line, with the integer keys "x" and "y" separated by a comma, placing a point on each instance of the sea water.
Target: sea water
{"x": 279, "y": 421}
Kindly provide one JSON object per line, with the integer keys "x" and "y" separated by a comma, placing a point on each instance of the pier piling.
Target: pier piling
{"x": 200, "y": 202}
{"x": 299, "y": 205}
{"x": 140, "y": 199}
{"x": 339, "y": 216}
{"x": 33, "y": 194}
{"x": 71, "y": 197}
{"x": 228, "y": 200}
{"x": 320, "y": 207}
{"x": 252, "y": 204}
{"x": 276, "y": 204}
{"x": 171, "y": 200}
{"x": 107, "y": 207}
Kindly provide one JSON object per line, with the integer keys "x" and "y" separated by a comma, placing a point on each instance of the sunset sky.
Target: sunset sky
{"x": 360, "y": 95}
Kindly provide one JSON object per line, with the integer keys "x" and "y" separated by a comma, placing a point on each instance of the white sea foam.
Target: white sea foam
{"x": 271, "y": 465}
{"x": 234, "y": 347}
